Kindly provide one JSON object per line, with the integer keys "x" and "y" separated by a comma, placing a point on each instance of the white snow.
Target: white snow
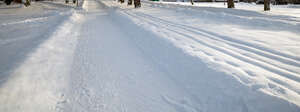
{"x": 287, "y": 10}
{"x": 163, "y": 57}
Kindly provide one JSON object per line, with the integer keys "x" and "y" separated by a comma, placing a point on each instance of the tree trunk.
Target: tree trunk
{"x": 230, "y": 3}
{"x": 266, "y": 5}
{"x": 192, "y": 2}
{"x": 122, "y": 1}
{"x": 137, "y": 3}
{"x": 129, "y": 2}
{"x": 27, "y": 3}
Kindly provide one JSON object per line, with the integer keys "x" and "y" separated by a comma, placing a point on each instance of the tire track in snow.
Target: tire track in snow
{"x": 212, "y": 39}
{"x": 235, "y": 43}
{"x": 209, "y": 90}
{"x": 284, "y": 71}
{"x": 38, "y": 19}
{"x": 277, "y": 76}
{"x": 94, "y": 84}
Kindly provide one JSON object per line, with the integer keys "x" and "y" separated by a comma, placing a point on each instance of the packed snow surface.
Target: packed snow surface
{"x": 163, "y": 57}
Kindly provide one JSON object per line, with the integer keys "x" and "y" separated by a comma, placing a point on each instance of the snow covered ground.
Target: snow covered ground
{"x": 162, "y": 57}
{"x": 288, "y": 10}
{"x": 23, "y": 29}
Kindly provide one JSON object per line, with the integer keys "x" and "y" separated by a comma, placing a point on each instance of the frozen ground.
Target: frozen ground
{"x": 159, "y": 58}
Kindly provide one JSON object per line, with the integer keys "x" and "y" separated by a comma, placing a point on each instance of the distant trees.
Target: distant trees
{"x": 74, "y": 1}
{"x": 137, "y": 3}
{"x": 27, "y": 3}
{"x": 8, "y": 2}
{"x": 230, "y": 3}
{"x": 129, "y": 2}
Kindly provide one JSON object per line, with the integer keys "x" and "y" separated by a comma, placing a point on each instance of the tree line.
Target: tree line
{"x": 230, "y": 3}
{"x": 137, "y": 3}
{"x": 26, "y": 3}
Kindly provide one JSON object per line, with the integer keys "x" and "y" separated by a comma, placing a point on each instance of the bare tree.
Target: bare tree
{"x": 266, "y": 5}
{"x": 230, "y": 3}
{"x": 192, "y": 2}
{"x": 129, "y": 2}
{"x": 137, "y": 3}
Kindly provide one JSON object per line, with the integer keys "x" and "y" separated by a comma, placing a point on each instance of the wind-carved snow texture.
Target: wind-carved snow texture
{"x": 158, "y": 58}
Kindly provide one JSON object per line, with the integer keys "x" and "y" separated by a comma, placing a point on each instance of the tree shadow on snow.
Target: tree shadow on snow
{"x": 19, "y": 41}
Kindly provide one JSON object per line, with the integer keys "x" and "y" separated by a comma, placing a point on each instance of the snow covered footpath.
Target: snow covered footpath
{"x": 159, "y": 58}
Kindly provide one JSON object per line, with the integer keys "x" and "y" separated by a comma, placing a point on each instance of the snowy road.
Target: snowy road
{"x": 107, "y": 58}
